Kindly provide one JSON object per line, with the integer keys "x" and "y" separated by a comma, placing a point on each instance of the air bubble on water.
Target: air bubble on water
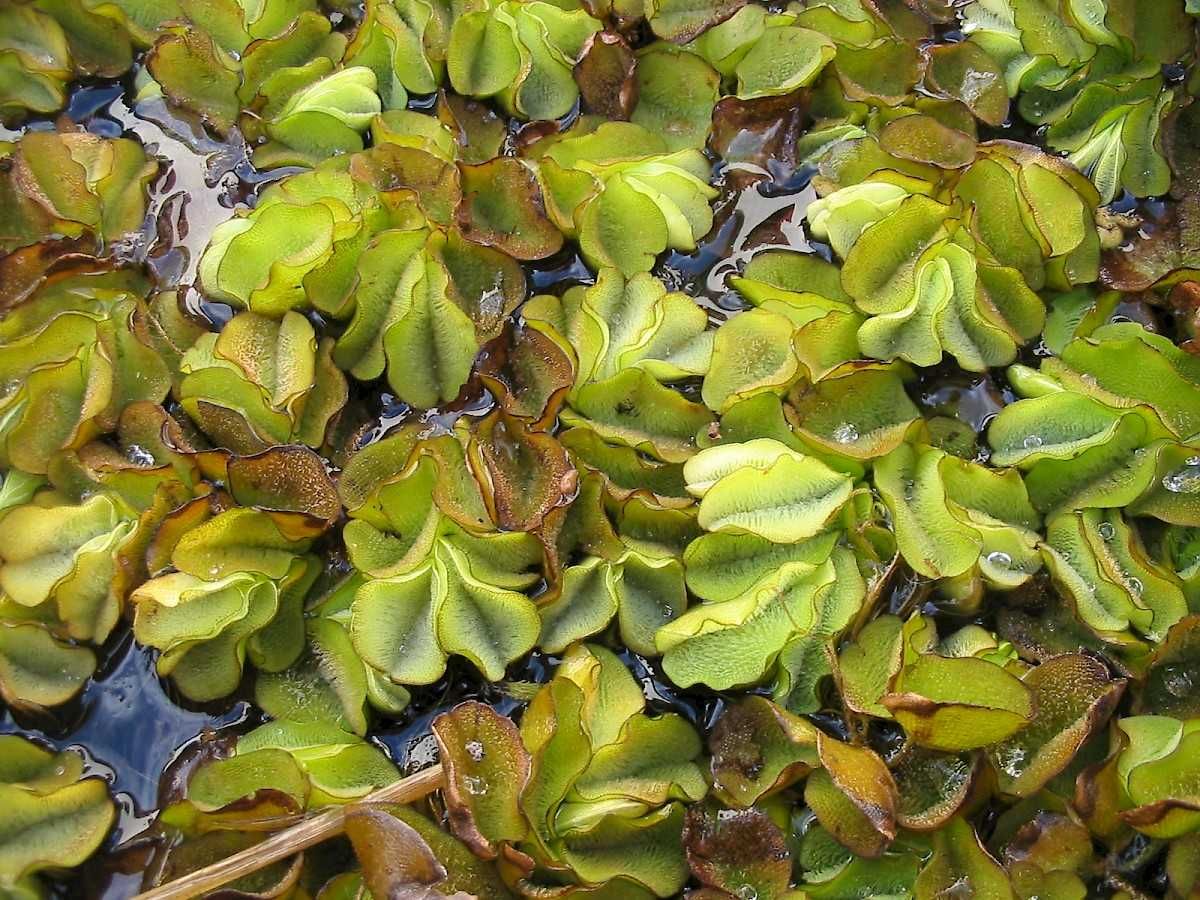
{"x": 1107, "y": 531}
{"x": 139, "y": 456}
{"x": 475, "y": 785}
{"x": 1010, "y": 760}
{"x": 1185, "y": 479}
{"x": 746, "y": 892}
{"x": 999, "y": 559}
{"x": 1032, "y": 442}
{"x": 845, "y": 433}
{"x": 1177, "y": 681}
{"x": 1135, "y": 586}
{"x": 910, "y": 489}
{"x": 475, "y": 750}
{"x": 724, "y": 815}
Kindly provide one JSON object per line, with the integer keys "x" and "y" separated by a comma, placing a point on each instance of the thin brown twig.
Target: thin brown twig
{"x": 290, "y": 841}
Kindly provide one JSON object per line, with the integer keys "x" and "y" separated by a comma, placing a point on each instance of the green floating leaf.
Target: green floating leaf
{"x": 520, "y": 53}
{"x": 766, "y": 489}
{"x": 53, "y": 818}
{"x": 1157, "y": 772}
{"x": 752, "y": 353}
{"x": 675, "y": 95}
{"x": 959, "y": 859}
{"x": 37, "y": 670}
{"x": 606, "y": 186}
{"x": 197, "y": 75}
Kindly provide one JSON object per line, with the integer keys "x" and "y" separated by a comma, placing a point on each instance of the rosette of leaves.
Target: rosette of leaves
{"x": 877, "y": 63}
{"x": 419, "y": 267}
{"x": 318, "y": 118}
{"x": 628, "y": 335}
{"x": 330, "y": 682}
{"x": 73, "y": 355}
{"x": 767, "y": 54}
{"x": 588, "y": 795}
{"x": 1117, "y": 588}
{"x": 47, "y": 43}
{"x": 606, "y": 575}
{"x": 55, "y": 816}
{"x": 237, "y": 591}
{"x": 298, "y": 247}
{"x": 221, "y": 60}
{"x": 404, "y": 43}
{"x": 870, "y": 815}
{"x": 1109, "y": 423}
{"x": 1092, "y": 76}
{"x": 522, "y": 53}
{"x": 440, "y": 579}
{"x": 963, "y": 524}
{"x": 805, "y": 326}
{"x": 63, "y": 577}
{"x": 949, "y": 695}
{"x": 426, "y": 302}
{"x": 262, "y": 382}
{"x": 776, "y": 584}
{"x": 72, "y": 183}
{"x": 616, "y": 189}
{"x": 968, "y": 691}
{"x": 937, "y": 263}
{"x": 1157, "y": 775}
{"x": 81, "y": 544}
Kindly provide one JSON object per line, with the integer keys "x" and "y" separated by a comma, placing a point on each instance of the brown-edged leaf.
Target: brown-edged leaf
{"x": 741, "y": 852}
{"x": 502, "y": 207}
{"x": 486, "y": 768}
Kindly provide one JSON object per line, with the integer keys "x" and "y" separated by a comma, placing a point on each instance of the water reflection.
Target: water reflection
{"x": 129, "y": 726}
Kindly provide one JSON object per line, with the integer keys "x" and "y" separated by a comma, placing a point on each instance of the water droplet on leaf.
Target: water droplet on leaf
{"x": 845, "y": 433}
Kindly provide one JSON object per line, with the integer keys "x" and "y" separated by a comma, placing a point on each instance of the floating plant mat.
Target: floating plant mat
{"x": 600, "y": 448}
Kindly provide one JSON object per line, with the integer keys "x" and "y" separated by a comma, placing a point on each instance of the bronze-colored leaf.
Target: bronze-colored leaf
{"x": 759, "y": 748}
{"x": 285, "y": 479}
{"x": 528, "y": 472}
{"x": 395, "y": 859}
{"x": 761, "y": 131}
{"x": 853, "y": 796}
{"x": 605, "y": 76}
{"x": 502, "y": 207}
{"x": 741, "y": 852}
{"x": 530, "y": 374}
